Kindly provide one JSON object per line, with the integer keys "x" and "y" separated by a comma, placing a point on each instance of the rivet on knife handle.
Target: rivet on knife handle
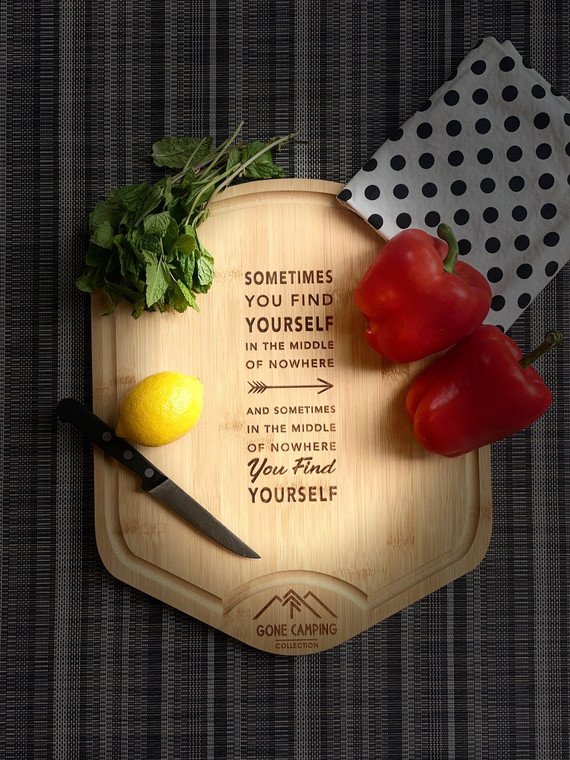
{"x": 99, "y": 433}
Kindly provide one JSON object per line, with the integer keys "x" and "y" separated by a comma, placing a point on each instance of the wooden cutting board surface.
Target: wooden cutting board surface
{"x": 304, "y": 448}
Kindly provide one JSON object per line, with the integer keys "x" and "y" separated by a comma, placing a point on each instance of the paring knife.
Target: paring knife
{"x": 153, "y": 481}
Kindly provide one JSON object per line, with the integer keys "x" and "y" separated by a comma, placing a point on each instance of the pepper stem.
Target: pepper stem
{"x": 551, "y": 339}
{"x": 445, "y": 233}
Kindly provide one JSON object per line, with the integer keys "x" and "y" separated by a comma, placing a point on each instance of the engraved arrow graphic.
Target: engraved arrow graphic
{"x": 258, "y": 386}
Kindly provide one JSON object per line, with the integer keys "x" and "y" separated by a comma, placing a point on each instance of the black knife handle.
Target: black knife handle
{"x": 99, "y": 433}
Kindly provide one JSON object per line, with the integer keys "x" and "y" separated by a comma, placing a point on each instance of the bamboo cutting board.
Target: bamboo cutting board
{"x": 304, "y": 448}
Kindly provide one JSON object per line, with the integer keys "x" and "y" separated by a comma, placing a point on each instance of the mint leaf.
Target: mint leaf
{"x": 166, "y": 184}
{"x": 174, "y": 152}
{"x": 263, "y": 166}
{"x": 157, "y": 224}
{"x": 90, "y": 281}
{"x": 170, "y": 237}
{"x": 148, "y": 256}
{"x": 127, "y": 260}
{"x": 96, "y": 256}
{"x": 203, "y": 272}
{"x": 150, "y": 243}
{"x": 157, "y": 283}
{"x": 150, "y": 202}
{"x": 186, "y": 243}
{"x": 103, "y": 235}
{"x": 131, "y": 197}
{"x": 189, "y": 297}
{"x": 180, "y": 298}
{"x": 185, "y": 258}
{"x": 110, "y": 210}
{"x": 234, "y": 158}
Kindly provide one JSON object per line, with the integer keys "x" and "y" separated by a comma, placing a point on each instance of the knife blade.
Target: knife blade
{"x": 153, "y": 481}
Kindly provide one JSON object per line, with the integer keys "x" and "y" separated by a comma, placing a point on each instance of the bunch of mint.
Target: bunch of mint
{"x": 143, "y": 241}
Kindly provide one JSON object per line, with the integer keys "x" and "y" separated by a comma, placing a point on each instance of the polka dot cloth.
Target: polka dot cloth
{"x": 490, "y": 155}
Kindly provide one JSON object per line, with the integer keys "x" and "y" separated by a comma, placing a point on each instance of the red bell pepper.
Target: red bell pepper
{"x": 481, "y": 391}
{"x": 418, "y": 299}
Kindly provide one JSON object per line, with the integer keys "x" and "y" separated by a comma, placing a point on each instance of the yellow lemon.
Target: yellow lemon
{"x": 160, "y": 409}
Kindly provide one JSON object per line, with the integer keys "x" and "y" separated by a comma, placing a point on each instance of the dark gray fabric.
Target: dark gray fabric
{"x": 91, "y": 668}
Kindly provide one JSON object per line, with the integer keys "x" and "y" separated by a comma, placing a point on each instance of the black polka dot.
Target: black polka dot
{"x": 495, "y": 274}
{"x": 425, "y": 105}
{"x": 426, "y": 160}
{"x": 567, "y": 119}
{"x": 345, "y": 195}
{"x": 551, "y": 268}
{"x": 521, "y": 242}
{"x": 516, "y": 184}
{"x": 397, "y": 162}
{"x": 451, "y": 97}
{"x": 458, "y": 187}
{"x": 548, "y": 211}
{"x": 372, "y": 192}
{"x": 424, "y": 130}
{"x": 519, "y": 213}
{"x": 546, "y": 181}
{"x": 541, "y": 120}
{"x": 480, "y": 96}
{"x": 376, "y": 221}
{"x": 551, "y": 239}
{"x": 478, "y": 67}
{"x": 512, "y": 123}
{"x": 455, "y": 158}
{"x": 509, "y": 93}
{"x": 567, "y": 149}
{"x": 461, "y": 216}
{"x": 514, "y": 153}
{"x": 429, "y": 190}
{"x": 432, "y": 219}
{"x": 482, "y": 126}
{"x": 543, "y": 150}
{"x": 506, "y": 63}
{"x": 397, "y": 135}
{"x": 538, "y": 91}
{"x": 487, "y": 185}
{"x": 497, "y": 303}
{"x": 524, "y": 271}
{"x": 490, "y": 214}
{"x": 492, "y": 245}
{"x": 403, "y": 221}
{"x": 453, "y": 128}
{"x": 485, "y": 156}
{"x": 523, "y": 300}
{"x": 401, "y": 191}
{"x": 464, "y": 246}
{"x": 500, "y": 327}
{"x": 370, "y": 165}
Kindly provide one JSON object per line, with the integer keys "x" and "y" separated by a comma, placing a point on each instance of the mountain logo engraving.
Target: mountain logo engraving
{"x": 296, "y": 603}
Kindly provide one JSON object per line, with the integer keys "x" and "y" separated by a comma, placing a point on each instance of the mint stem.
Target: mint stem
{"x": 241, "y": 167}
{"x": 233, "y": 172}
{"x": 551, "y": 339}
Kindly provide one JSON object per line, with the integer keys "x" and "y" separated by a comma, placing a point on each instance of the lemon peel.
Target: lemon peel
{"x": 160, "y": 408}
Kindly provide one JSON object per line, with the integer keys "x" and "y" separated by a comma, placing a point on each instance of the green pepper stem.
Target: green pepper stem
{"x": 551, "y": 339}
{"x": 445, "y": 233}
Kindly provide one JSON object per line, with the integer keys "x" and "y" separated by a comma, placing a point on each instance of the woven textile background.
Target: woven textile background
{"x": 91, "y": 668}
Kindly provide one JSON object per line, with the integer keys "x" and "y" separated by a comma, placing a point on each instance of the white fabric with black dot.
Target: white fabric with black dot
{"x": 489, "y": 154}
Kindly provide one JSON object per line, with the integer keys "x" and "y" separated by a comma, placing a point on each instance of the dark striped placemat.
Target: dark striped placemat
{"x": 90, "y": 668}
